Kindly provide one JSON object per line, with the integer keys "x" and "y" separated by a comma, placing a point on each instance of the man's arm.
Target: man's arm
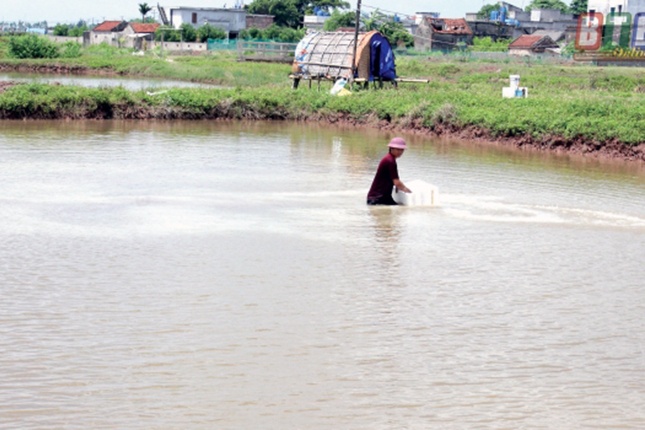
{"x": 401, "y": 186}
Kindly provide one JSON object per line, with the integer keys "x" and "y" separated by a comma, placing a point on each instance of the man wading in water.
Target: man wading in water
{"x": 387, "y": 176}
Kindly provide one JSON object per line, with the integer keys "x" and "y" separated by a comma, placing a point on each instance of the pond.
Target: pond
{"x": 230, "y": 275}
{"x": 129, "y": 83}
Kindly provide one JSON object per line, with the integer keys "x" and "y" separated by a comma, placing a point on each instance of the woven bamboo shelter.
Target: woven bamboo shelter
{"x": 328, "y": 55}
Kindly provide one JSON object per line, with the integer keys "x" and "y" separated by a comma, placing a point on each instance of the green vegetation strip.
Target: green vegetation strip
{"x": 616, "y": 115}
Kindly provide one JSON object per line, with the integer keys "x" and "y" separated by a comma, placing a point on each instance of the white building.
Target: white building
{"x": 315, "y": 22}
{"x": 617, "y": 6}
{"x": 230, "y": 20}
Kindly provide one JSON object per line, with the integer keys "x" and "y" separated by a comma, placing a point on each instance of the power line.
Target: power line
{"x": 385, "y": 10}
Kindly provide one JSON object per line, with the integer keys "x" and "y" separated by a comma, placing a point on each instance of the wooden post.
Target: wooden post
{"x": 358, "y": 21}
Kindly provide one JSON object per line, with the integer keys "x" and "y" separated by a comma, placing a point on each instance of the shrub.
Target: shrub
{"x": 32, "y": 46}
{"x": 208, "y": 31}
{"x": 275, "y": 33}
{"x": 71, "y": 50}
{"x": 446, "y": 114}
{"x": 486, "y": 44}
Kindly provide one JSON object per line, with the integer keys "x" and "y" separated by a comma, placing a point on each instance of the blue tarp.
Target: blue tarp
{"x": 381, "y": 59}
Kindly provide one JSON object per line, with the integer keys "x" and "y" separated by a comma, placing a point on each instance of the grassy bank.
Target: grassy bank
{"x": 567, "y": 104}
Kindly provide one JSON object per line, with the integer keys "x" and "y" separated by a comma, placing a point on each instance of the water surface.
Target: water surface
{"x": 130, "y": 83}
{"x": 217, "y": 275}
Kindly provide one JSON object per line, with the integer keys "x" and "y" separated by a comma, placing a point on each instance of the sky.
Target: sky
{"x": 71, "y": 11}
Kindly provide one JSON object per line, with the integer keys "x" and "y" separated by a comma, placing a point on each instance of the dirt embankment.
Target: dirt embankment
{"x": 6, "y": 85}
{"x": 56, "y": 69}
{"x": 547, "y": 143}
{"x": 611, "y": 149}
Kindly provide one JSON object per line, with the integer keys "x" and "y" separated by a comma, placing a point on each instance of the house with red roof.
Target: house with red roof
{"x": 107, "y": 32}
{"x": 529, "y": 44}
{"x": 141, "y": 28}
{"x": 138, "y": 35}
{"x": 123, "y": 34}
{"x": 444, "y": 34}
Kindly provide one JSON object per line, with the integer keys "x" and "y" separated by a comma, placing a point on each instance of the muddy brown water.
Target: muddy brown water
{"x": 229, "y": 275}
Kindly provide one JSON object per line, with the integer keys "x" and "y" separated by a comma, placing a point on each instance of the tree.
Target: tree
{"x": 396, "y": 33}
{"x": 291, "y": 13}
{"x": 340, "y": 19}
{"x": 548, "y": 4}
{"x": 188, "y": 32}
{"x": 208, "y": 31}
{"x": 251, "y": 33}
{"x": 486, "y": 44}
{"x": 578, "y": 6}
{"x": 388, "y": 26}
{"x": 307, "y": 6}
{"x": 278, "y": 34}
{"x": 143, "y": 10}
{"x": 61, "y": 30}
{"x": 167, "y": 34}
{"x": 78, "y": 31}
{"x": 284, "y": 12}
{"x": 374, "y": 20}
{"x": 484, "y": 12}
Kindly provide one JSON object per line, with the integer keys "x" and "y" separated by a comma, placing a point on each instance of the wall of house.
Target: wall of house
{"x": 520, "y": 52}
{"x": 448, "y": 42}
{"x": 549, "y": 15}
{"x": 315, "y": 22}
{"x": 259, "y": 21}
{"x": 491, "y": 29}
{"x": 179, "y": 47}
{"x": 422, "y": 38}
{"x": 425, "y": 38}
{"x": 230, "y": 20}
{"x": 551, "y": 26}
{"x": 604, "y": 6}
{"x": 96, "y": 38}
{"x": 63, "y": 39}
{"x": 519, "y": 15}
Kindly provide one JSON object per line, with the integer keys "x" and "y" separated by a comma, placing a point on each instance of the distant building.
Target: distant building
{"x": 524, "y": 23}
{"x": 106, "y": 32}
{"x": 37, "y": 30}
{"x": 556, "y": 36}
{"x": 606, "y": 6}
{"x": 138, "y": 35}
{"x": 494, "y": 30}
{"x": 259, "y": 21}
{"x": 442, "y": 34}
{"x": 232, "y": 21}
{"x": 315, "y": 22}
{"x": 528, "y": 45}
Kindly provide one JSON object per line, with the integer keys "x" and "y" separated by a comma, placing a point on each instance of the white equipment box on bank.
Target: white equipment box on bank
{"x": 423, "y": 194}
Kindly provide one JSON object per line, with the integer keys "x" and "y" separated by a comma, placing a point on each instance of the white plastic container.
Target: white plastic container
{"x": 423, "y": 194}
{"x": 515, "y": 81}
{"x": 510, "y": 93}
{"x": 339, "y": 85}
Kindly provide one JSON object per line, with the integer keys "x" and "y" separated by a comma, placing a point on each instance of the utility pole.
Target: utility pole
{"x": 358, "y": 21}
